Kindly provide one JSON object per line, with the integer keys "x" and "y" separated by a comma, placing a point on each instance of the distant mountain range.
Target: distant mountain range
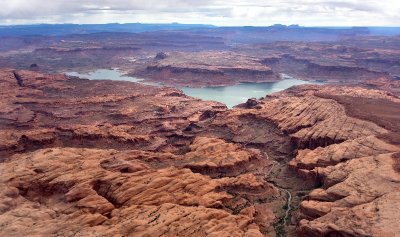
{"x": 68, "y": 29}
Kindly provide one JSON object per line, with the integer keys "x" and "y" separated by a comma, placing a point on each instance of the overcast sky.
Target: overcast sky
{"x": 217, "y": 12}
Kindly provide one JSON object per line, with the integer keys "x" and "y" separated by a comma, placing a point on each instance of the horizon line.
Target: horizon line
{"x": 197, "y": 24}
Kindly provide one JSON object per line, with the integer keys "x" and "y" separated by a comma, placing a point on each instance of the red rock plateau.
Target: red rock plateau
{"x": 214, "y": 57}
{"x": 219, "y": 67}
{"x": 341, "y": 61}
{"x": 104, "y": 158}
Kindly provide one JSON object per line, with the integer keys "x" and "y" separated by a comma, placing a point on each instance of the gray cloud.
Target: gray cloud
{"x": 219, "y": 12}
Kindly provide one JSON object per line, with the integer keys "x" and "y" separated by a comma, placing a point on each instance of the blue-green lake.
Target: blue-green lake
{"x": 229, "y": 95}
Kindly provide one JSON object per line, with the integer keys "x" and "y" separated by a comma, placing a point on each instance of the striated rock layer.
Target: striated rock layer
{"x": 103, "y": 158}
{"x": 206, "y": 69}
{"x": 80, "y": 191}
{"x": 347, "y": 140}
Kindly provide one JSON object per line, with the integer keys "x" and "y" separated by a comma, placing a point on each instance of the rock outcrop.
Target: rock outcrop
{"x": 100, "y": 158}
{"x": 199, "y": 69}
{"x": 347, "y": 141}
{"x": 80, "y": 191}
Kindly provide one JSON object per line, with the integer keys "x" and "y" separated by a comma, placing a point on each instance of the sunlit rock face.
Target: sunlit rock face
{"x": 100, "y": 157}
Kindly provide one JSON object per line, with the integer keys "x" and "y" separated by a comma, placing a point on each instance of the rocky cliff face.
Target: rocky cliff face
{"x": 206, "y": 68}
{"x": 101, "y": 158}
{"x": 329, "y": 70}
{"x": 347, "y": 140}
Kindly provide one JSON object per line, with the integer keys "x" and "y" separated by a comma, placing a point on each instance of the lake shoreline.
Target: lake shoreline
{"x": 230, "y": 95}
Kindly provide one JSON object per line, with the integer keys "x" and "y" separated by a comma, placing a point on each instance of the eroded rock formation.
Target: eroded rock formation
{"x": 347, "y": 141}
{"x": 101, "y": 158}
{"x": 207, "y": 68}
